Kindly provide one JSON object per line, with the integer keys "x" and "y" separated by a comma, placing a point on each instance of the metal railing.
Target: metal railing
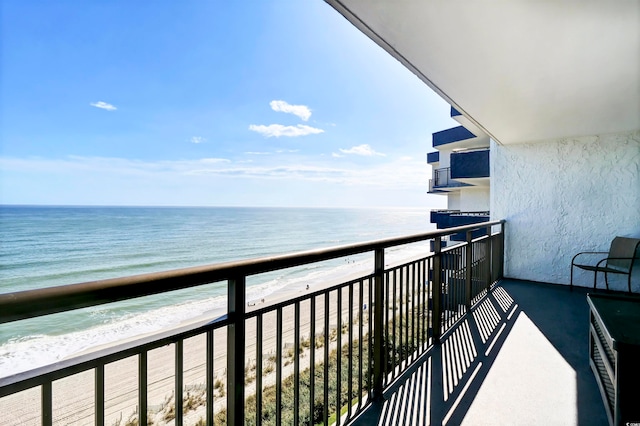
{"x": 318, "y": 358}
{"x": 442, "y": 179}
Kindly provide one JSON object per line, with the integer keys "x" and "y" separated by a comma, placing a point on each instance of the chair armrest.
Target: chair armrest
{"x": 616, "y": 258}
{"x": 587, "y": 252}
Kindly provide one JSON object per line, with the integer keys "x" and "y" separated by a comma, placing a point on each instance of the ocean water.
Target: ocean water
{"x": 50, "y": 246}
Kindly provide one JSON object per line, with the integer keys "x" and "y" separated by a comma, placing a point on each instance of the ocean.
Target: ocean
{"x": 51, "y": 246}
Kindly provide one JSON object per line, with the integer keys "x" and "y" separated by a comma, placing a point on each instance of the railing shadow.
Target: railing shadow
{"x": 442, "y": 385}
{"x": 439, "y": 387}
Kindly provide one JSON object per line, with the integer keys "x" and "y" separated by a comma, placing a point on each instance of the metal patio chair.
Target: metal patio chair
{"x": 620, "y": 259}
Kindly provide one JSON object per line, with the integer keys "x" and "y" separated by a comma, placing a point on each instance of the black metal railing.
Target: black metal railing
{"x": 318, "y": 358}
{"x": 442, "y": 179}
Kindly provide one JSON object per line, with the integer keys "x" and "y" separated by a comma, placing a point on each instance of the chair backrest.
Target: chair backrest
{"x": 623, "y": 247}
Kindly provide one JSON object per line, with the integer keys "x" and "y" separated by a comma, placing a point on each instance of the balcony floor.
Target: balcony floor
{"x": 519, "y": 358}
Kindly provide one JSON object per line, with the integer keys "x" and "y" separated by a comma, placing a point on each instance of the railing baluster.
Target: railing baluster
{"x": 468, "y": 271}
{"x": 360, "y": 338}
{"x": 278, "y": 366}
{"x": 436, "y": 291}
{"x": 327, "y": 342}
{"x": 179, "y": 382}
{"x": 312, "y": 358}
{"x": 259, "y": 369}
{"x": 423, "y": 282}
{"x": 387, "y": 335}
{"x": 406, "y": 277}
{"x": 142, "y": 387}
{"x": 350, "y": 354}
{"x": 47, "y": 403}
{"x": 99, "y": 395}
{"x": 210, "y": 376}
{"x": 414, "y": 307}
{"x": 378, "y": 350}
{"x": 339, "y": 356}
{"x": 370, "y": 348}
{"x": 397, "y": 280}
{"x": 487, "y": 257}
{"x": 296, "y": 365}
{"x": 236, "y": 347}
{"x": 394, "y": 333}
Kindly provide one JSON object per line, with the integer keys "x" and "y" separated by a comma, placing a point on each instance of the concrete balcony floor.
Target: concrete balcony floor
{"x": 520, "y": 357}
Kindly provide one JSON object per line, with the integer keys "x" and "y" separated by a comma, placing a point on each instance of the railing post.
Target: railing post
{"x": 379, "y": 350}
{"x": 436, "y": 292}
{"x": 501, "y": 252}
{"x": 468, "y": 271}
{"x": 488, "y": 259}
{"x": 236, "y": 351}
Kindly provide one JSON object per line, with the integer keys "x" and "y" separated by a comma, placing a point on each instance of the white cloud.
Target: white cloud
{"x": 301, "y": 111}
{"x": 363, "y": 149}
{"x": 103, "y": 105}
{"x": 197, "y": 139}
{"x": 257, "y": 153}
{"x": 336, "y": 155}
{"x": 278, "y": 130}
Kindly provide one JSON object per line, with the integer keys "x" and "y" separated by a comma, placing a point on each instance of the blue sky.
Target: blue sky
{"x": 277, "y": 103}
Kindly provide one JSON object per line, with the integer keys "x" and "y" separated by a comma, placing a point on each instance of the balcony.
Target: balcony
{"x": 433, "y": 157}
{"x": 506, "y": 363}
{"x": 451, "y": 218}
{"x": 432, "y": 340}
{"x": 452, "y": 135}
{"x": 442, "y": 181}
{"x": 458, "y": 137}
{"x": 470, "y": 166}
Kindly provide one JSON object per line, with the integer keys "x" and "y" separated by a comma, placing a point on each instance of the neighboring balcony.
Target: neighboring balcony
{"x": 470, "y": 167}
{"x": 433, "y": 157}
{"x": 458, "y": 137}
{"x": 451, "y": 218}
{"x": 442, "y": 181}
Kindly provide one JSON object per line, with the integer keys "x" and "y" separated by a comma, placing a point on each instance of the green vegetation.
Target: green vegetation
{"x": 395, "y": 354}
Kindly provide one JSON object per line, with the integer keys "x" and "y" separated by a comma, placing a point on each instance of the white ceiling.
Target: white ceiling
{"x": 523, "y": 71}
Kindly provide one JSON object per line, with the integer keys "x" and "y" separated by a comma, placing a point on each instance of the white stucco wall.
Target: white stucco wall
{"x": 453, "y": 200}
{"x": 561, "y": 197}
{"x": 474, "y": 199}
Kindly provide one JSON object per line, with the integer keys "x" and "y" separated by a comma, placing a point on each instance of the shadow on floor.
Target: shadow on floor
{"x": 442, "y": 386}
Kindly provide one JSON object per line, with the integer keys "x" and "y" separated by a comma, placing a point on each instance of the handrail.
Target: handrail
{"x": 33, "y": 303}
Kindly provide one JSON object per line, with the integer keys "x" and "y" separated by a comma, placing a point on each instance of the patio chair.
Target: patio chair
{"x": 619, "y": 260}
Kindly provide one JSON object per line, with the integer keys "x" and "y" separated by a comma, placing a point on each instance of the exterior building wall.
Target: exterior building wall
{"x": 453, "y": 200}
{"x": 474, "y": 199}
{"x": 444, "y": 159}
{"x": 565, "y": 196}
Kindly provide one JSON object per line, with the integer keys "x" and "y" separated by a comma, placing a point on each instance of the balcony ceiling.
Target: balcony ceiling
{"x": 523, "y": 71}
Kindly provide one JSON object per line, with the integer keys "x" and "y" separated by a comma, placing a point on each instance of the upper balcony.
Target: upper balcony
{"x": 443, "y": 182}
{"x": 458, "y": 137}
{"x": 433, "y": 157}
{"x": 439, "y": 339}
{"x": 471, "y": 167}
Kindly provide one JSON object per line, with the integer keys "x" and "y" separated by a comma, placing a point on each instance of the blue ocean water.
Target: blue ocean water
{"x": 50, "y": 246}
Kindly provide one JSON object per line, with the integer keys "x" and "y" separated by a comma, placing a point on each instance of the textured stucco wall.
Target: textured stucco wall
{"x": 565, "y": 196}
